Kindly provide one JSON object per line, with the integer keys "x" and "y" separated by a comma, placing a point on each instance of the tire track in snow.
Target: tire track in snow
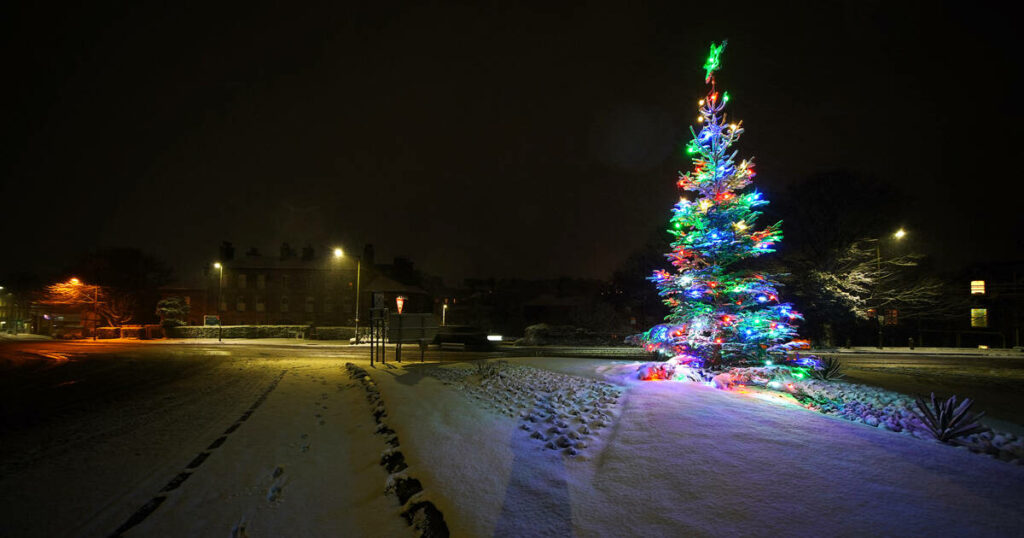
{"x": 150, "y": 506}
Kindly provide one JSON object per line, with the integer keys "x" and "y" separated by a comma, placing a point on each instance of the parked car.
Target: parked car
{"x": 471, "y": 337}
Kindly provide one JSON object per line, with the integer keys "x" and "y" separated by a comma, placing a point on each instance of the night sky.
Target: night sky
{"x": 485, "y": 141}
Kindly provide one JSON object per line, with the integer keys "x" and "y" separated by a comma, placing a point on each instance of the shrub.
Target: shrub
{"x": 829, "y": 370}
{"x": 946, "y": 420}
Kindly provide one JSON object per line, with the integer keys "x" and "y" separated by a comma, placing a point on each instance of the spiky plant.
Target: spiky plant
{"x": 946, "y": 420}
{"x": 830, "y": 369}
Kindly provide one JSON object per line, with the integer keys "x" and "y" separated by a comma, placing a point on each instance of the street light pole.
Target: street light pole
{"x": 878, "y": 265}
{"x": 220, "y": 282}
{"x": 95, "y": 311}
{"x": 359, "y": 265}
{"x": 338, "y": 253}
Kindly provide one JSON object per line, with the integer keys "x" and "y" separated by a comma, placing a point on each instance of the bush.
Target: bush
{"x": 830, "y": 369}
{"x": 946, "y": 420}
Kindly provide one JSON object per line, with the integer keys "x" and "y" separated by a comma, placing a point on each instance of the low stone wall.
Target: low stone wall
{"x": 333, "y": 333}
{"x": 261, "y": 331}
{"x": 141, "y": 332}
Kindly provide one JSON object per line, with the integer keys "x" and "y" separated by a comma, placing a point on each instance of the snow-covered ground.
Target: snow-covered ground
{"x": 941, "y": 351}
{"x": 678, "y": 459}
{"x": 304, "y": 464}
{"x": 282, "y": 442}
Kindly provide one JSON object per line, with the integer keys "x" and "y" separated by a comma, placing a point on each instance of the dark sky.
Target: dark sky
{"x": 479, "y": 141}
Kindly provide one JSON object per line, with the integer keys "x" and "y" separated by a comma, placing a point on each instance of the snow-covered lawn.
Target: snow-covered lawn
{"x": 673, "y": 459}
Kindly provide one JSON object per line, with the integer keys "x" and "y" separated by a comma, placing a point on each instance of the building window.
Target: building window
{"x": 979, "y": 317}
{"x": 328, "y": 305}
{"x": 188, "y": 299}
{"x": 240, "y": 304}
{"x": 242, "y": 280}
{"x": 977, "y": 287}
{"x": 284, "y": 282}
{"x": 892, "y": 317}
{"x": 260, "y": 304}
{"x": 284, "y": 303}
{"x": 261, "y": 281}
{"x": 224, "y": 304}
{"x": 310, "y": 302}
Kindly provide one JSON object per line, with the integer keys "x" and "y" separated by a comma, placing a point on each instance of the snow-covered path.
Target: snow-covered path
{"x": 305, "y": 463}
{"x": 683, "y": 460}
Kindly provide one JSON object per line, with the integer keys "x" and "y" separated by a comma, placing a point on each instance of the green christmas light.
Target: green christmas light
{"x": 713, "y": 62}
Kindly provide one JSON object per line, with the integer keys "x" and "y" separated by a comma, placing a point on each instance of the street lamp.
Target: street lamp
{"x": 899, "y": 234}
{"x": 338, "y": 254}
{"x": 95, "y": 304}
{"x": 220, "y": 283}
{"x": 444, "y": 314}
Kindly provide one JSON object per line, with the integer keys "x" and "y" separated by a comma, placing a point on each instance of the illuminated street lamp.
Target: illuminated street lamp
{"x": 338, "y": 254}
{"x": 444, "y": 314}
{"x": 220, "y": 283}
{"x": 899, "y": 234}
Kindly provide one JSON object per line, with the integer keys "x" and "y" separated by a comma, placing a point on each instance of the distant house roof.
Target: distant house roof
{"x": 382, "y": 283}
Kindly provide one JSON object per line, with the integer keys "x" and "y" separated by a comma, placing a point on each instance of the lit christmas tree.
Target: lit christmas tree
{"x": 720, "y": 314}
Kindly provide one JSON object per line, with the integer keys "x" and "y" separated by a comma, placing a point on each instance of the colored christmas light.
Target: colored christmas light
{"x": 719, "y": 314}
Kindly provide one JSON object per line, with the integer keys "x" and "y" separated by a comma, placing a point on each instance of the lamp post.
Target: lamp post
{"x": 338, "y": 254}
{"x": 900, "y": 234}
{"x": 444, "y": 314}
{"x": 220, "y": 281}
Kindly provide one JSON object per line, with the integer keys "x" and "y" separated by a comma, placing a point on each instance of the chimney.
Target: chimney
{"x": 368, "y": 260}
{"x": 286, "y": 251}
{"x": 227, "y": 251}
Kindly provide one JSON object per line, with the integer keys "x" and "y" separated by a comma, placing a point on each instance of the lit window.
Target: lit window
{"x": 979, "y": 317}
{"x": 977, "y": 287}
{"x": 892, "y": 317}
{"x": 240, "y": 304}
{"x": 260, "y": 304}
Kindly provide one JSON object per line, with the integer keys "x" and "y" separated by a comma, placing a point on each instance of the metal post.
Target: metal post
{"x": 220, "y": 322}
{"x": 359, "y": 263}
{"x": 398, "y": 343}
{"x": 878, "y": 308}
{"x": 95, "y": 310}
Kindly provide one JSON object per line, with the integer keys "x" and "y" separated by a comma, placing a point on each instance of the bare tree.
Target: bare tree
{"x": 115, "y": 308}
